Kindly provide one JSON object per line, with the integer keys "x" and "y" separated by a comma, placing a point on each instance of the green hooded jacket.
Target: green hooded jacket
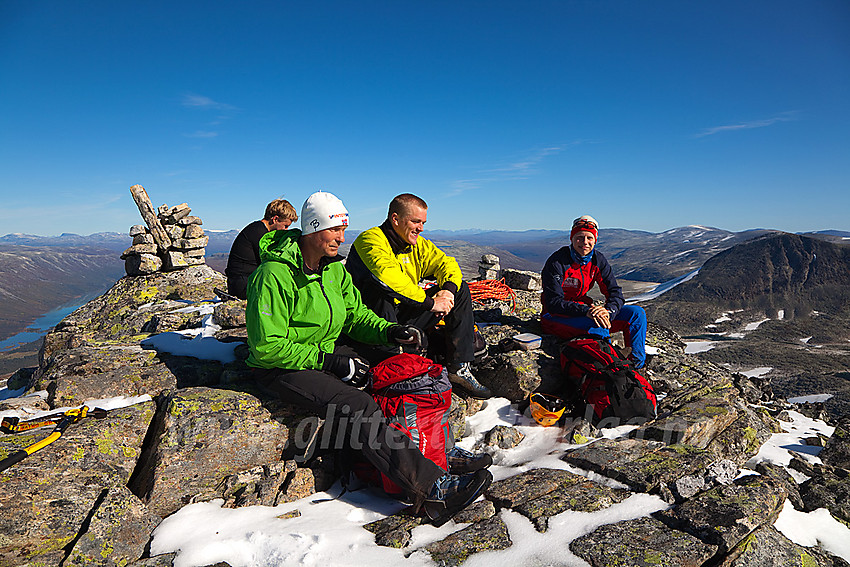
{"x": 292, "y": 317}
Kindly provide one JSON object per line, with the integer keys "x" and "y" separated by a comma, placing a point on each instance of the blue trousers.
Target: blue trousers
{"x": 631, "y": 319}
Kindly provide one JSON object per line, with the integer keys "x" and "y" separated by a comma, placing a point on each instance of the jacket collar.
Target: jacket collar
{"x": 397, "y": 243}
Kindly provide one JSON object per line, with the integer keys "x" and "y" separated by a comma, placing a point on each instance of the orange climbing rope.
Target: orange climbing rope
{"x": 492, "y": 289}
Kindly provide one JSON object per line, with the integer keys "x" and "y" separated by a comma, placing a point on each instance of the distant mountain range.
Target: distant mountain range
{"x": 780, "y": 302}
{"x": 39, "y": 273}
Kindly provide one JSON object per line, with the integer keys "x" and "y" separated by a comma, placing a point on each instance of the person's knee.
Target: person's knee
{"x": 359, "y": 402}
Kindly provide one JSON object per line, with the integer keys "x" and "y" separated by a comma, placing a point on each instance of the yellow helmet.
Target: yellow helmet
{"x": 545, "y": 408}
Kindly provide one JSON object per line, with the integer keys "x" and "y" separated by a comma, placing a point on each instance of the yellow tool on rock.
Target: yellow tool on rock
{"x": 61, "y": 420}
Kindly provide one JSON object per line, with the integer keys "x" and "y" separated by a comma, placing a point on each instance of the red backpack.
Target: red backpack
{"x": 415, "y": 395}
{"x": 606, "y": 381}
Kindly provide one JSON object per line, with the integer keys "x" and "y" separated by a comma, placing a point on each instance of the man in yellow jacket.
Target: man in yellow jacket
{"x": 388, "y": 262}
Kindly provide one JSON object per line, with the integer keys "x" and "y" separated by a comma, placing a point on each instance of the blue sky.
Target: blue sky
{"x": 502, "y": 115}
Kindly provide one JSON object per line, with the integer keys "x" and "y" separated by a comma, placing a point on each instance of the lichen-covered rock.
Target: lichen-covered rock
{"x": 230, "y": 314}
{"x": 523, "y": 279}
{"x": 73, "y": 376}
{"x": 488, "y": 535}
{"x": 837, "y": 451}
{"x": 697, "y": 421}
{"x": 640, "y": 464}
{"x": 828, "y": 491}
{"x": 46, "y": 498}
{"x": 201, "y": 436}
{"x": 118, "y": 532}
{"x": 115, "y": 314}
{"x": 725, "y": 515}
{"x": 501, "y": 437}
{"x": 642, "y": 542}
{"x": 580, "y": 496}
{"x": 743, "y": 438}
{"x": 394, "y": 531}
{"x": 782, "y": 476}
{"x": 475, "y": 512}
{"x": 766, "y": 546}
{"x": 515, "y": 490}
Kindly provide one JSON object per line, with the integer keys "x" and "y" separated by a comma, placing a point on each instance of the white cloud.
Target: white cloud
{"x": 204, "y": 102}
{"x": 518, "y": 168}
{"x": 201, "y": 134}
{"x": 783, "y": 117}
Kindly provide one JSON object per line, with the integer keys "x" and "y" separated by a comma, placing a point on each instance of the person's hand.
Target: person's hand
{"x": 350, "y": 370}
{"x": 600, "y": 316}
{"x": 444, "y": 301}
{"x": 405, "y": 335}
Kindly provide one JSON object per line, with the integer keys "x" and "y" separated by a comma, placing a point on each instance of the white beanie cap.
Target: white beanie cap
{"x": 322, "y": 210}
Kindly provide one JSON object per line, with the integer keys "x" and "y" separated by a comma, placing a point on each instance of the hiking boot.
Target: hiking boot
{"x": 462, "y": 461}
{"x": 464, "y": 378}
{"x": 451, "y": 494}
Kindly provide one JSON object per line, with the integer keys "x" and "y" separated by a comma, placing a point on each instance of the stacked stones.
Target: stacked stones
{"x": 171, "y": 238}
{"x": 488, "y": 267}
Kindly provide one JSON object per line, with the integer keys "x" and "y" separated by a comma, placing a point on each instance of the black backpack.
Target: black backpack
{"x": 607, "y": 382}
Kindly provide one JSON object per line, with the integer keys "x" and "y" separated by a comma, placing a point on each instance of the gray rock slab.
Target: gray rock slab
{"x": 501, "y": 437}
{"x": 73, "y": 376}
{"x": 743, "y": 438}
{"x": 189, "y": 221}
{"x": 142, "y": 264}
{"x": 766, "y": 547}
{"x": 174, "y": 260}
{"x": 725, "y": 515}
{"x": 837, "y": 451}
{"x": 640, "y": 464}
{"x": 175, "y": 232}
{"x": 394, "y": 531}
{"x": 585, "y": 496}
{"x": 189, "y": 243}
{"x": 230, "y": 314}
{"x": 827, "y": 491}
{"x": 194, "y": 231}
{"x": 118, "y": 532}
{"x": 117, "y": 312}
{"x": 642, "y": 542}
{"x": 488, "y": 535}
{"x": 696, "y": 422}
{"x": 140, "y": 196}
{"x": 201, "y": 436}
{"x": 522, "y": 279}
{"x": 46, "y": 498}
{"x": 516, "y": 490}
{"x": 143, "y": 238}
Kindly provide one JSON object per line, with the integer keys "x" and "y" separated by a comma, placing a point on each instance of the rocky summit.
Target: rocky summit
{"x": 197, "y": 430}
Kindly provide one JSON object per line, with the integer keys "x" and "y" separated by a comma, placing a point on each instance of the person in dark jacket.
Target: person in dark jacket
{"x": 245, "y": 252}
{"x": 568, "y": 276}
{"x": 300, "y": 299}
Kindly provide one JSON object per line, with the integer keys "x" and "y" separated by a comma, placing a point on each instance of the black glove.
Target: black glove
{"x": 405, "y": 335}
{"x": 350, "y": 370}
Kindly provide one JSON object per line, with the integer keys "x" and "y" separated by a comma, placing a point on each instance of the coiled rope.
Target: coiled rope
{"x": 492, "y": 289}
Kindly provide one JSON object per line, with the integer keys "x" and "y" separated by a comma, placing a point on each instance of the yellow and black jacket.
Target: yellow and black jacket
{"x": 379, "y": 256}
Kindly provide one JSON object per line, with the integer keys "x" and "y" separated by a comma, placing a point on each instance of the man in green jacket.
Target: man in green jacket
{"x": 299, "y": 301}
{"x": 389, "y": 261}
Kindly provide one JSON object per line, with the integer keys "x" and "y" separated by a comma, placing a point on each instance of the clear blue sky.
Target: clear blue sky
{"x": 502, "y": 115}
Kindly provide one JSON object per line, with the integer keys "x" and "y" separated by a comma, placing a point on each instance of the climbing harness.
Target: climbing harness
{"x": 492, "y": 289}
{"x": 60, "y": 420}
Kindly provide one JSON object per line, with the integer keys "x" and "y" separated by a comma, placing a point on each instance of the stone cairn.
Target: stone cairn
{"x": 489, "y": 268}
{"x": 170, "y": 239}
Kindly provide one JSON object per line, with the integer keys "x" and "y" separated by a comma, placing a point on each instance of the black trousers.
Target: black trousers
{"x": 354, "y": 421}
{"x": 457, "y": 338}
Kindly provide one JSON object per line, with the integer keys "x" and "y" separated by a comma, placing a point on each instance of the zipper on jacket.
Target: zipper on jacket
{"x": 328, "y": 300}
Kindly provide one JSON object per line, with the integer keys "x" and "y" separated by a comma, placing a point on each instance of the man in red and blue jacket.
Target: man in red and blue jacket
{"x": 568, "y": 276}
